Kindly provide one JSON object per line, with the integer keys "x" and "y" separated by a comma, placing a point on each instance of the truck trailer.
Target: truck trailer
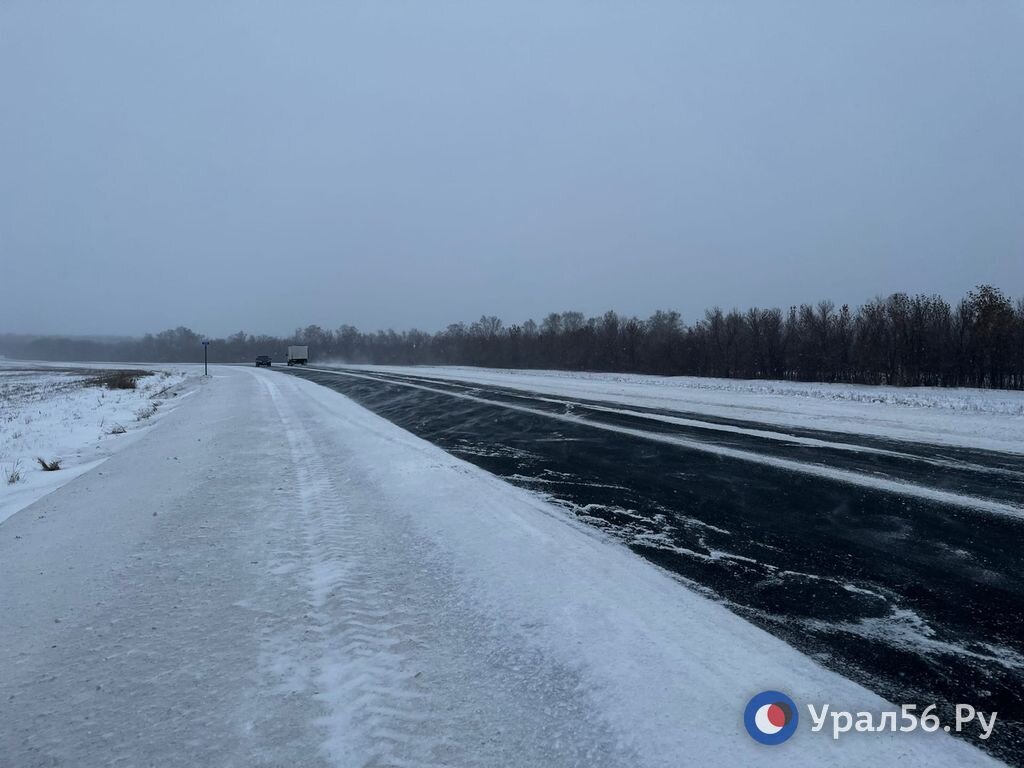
{"x": 298, "y": 355}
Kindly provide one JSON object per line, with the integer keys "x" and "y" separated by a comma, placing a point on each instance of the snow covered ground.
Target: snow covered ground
{"x": 973, "y": 418}
{"x": 276, "y": 576}
{"x": 67, "y": 414}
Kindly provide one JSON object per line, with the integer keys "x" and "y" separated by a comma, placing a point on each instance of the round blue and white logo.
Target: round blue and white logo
{"x": 771, "y": 717}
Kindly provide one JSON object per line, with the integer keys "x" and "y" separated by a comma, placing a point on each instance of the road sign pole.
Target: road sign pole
{"x": 206, "y": 369}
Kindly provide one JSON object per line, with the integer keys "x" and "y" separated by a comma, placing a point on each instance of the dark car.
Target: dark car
{"x": 263, "y": 360}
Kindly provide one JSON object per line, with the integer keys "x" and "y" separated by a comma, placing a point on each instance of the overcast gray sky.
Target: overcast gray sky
{"x": 260, "y": 166}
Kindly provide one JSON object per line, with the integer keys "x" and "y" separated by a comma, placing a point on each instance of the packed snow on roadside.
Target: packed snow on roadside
{"x": 68, "y": 415}
{"x": 971, "y": 418}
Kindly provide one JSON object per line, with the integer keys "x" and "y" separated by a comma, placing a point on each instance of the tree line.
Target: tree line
{"x": 901, "y": 340}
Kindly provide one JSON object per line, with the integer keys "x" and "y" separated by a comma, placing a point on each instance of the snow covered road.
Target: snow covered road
{"x": 273, "y": 575}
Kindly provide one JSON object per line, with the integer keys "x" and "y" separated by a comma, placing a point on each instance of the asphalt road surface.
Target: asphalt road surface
{"x": 896, "y": 564}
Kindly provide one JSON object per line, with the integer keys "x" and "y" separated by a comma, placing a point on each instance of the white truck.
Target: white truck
{"x": 298, "y": 355}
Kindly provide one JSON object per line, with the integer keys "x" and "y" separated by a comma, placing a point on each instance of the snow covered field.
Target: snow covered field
{"x": 973, "y": 418}
{"x": 69, "y": 415}
{"x": 273, "y": 575}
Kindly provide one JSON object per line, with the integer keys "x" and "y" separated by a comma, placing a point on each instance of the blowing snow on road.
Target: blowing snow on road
{"x": 274, "y": 575}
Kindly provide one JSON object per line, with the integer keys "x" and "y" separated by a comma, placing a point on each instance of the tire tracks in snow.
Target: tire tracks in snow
{"x": 378, "y": 712}
{"x": 414, "y": 665}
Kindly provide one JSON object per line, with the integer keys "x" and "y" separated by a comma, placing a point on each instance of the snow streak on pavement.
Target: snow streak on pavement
{"x": 970, "y": 418}
{"x": 276, "y": 576}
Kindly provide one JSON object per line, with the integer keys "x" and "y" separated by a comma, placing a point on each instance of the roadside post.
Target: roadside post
{"x": 206, "y": 369}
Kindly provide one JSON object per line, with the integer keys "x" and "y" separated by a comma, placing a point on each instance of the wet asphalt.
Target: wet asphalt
{"x": 921, "y": 601}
